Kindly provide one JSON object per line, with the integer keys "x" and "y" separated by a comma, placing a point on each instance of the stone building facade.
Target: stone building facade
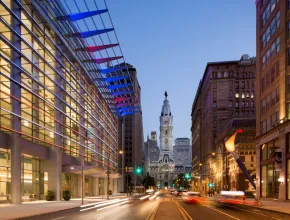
{"x": 226, "y": 92}
{"x": 273, "y": 99}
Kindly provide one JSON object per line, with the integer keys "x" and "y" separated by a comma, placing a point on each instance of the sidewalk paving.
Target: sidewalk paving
{"x": 272, "y": 205}
{"x": 27, "y": 209}
{"x": 168, "y": 210}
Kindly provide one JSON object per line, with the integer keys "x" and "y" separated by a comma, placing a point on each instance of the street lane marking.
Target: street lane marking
{"x": 112, "y": 205}
{"x": 182, "y": 211}
{"x": 152, "y": 214}
{"x": 223, "y": 212}
{"x": 255, "y": 212}
{"x": 58, "y": 218}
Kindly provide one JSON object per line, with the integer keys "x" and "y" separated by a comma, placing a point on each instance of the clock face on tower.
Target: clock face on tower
{"x": 165, "y": 122}
{"x": 166, "y": 141}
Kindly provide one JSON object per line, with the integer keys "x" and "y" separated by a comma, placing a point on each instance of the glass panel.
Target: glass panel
{"x": 264, "y": 151}
{"x": 270, "y": 173}
{"x": 271, "y": 150}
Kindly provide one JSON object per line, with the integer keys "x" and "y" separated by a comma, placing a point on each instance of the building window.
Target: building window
{"x": 214, "y": 104}
{"x": 243, "y": 85}
{"x": 273, "y": 97}
{"x": 243, "y": 95}
{"x": 237, "y": 104}
{"x": 266, "y": 15}
{"x": 243, "y": 104}
{"x": 237, "y": 95}
{"x": 230, "y": 103}
{"x": 263, "y": 84}
{"x": 272, "y": 74}
{"x": 252, "y": 104}
{"x": 237, "y": 85}
{"x": 252, "y": 95}
{"x": 247, "y": 104}
{"x": 288, "y": 28}
{"x": 214, "y": 94}
{"x": 268, "y": 124}
{"x": 268, "y": 101}
{"x": 263, "y": 105}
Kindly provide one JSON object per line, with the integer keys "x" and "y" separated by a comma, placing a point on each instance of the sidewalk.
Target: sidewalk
{"x": 168, "y": 210}
{"x": 277, "y": 206}
{"x": 27, "y": 209}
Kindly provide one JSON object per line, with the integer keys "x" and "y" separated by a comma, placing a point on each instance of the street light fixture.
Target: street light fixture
{"x": 120, "y": 152}
{"x": 200, "y": 164}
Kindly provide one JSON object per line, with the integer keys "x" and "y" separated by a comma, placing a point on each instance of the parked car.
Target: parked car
{"x": 191, "y": 197}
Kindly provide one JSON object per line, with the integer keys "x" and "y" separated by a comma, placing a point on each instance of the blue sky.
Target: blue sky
{"x": 170, "y": 42}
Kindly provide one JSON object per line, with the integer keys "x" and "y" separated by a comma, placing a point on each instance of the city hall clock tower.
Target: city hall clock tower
{"x": 166, "y": 119}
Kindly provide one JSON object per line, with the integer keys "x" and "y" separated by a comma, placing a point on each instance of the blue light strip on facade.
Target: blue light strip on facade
{"x": 112, "y": 79}
{"x": 112, "y": 87}
{"x": 122, "y": 93}
{"x": 79, "y": 16}
{"x": 113, "y": 69}
{"x": 95, "y": 32}
{"x": 129, "y": 113}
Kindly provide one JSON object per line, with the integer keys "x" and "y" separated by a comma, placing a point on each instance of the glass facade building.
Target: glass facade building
{"x": 54, "y": 118}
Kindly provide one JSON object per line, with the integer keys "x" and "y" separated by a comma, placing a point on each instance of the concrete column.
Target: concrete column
{"x": 283, "y": 173}
{"x": 79, "y": 186}
{"x": 16, "y": 192}
{"x": 115, "y": 190}
{"x": 58, "y": 128}
{"x": 105, "y": 186}
{"x": 95, "y": 186}
{"x": 82, "y": 139}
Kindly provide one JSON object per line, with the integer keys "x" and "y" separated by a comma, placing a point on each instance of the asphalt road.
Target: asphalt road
{"x": 134, "y": 209}
{"x": 229, "y": 212}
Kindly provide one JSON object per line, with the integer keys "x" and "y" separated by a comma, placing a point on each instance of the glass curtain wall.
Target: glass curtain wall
{"x": 53, "y": 83}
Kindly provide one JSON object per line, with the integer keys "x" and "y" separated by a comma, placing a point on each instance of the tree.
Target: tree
{"x": 148, "y": 181}
{"x": 181, "y": 181}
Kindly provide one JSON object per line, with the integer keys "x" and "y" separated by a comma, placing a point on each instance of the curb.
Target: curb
{"x": 270, "y": 210}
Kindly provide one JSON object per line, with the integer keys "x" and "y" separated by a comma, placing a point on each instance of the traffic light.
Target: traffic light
{"x": 173, "y": 184}
{"x": 187, "y": 176}
{"x": 138, "y": 170}
{"x": 211, "y": 185}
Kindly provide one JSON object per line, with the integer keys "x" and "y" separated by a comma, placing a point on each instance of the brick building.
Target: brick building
{"x": 273, "y": 99}
{"x": 226, "y": 92}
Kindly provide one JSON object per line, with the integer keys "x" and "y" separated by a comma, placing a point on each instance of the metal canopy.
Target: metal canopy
{"x": 92, "y": 36}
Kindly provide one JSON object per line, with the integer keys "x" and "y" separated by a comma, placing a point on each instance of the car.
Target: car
{"x": 179, "y": 192}
{"x": 171, "y": 191}
{"x": 191, "y": 197}
{"x": 150, "y": 191}
{"x": 229, "y": 198}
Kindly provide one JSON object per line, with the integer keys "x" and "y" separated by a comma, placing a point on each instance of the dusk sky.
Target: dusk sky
{"x": 170, "y": 42}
